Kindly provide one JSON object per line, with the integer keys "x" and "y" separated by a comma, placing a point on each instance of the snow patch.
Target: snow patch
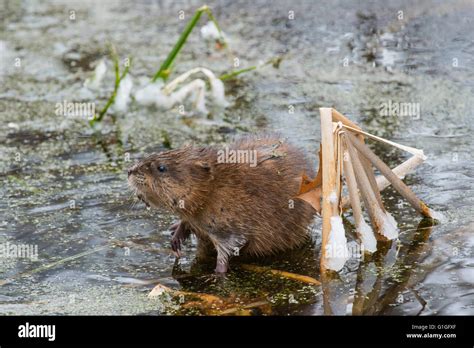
{"x": 123, "y": 94}
{"x": 210, "y": 32}
{"x": 336, "y": 248}
{"x": 389, "y": 226}
{"x": 152, "y": 94}
{"x": 367, "y": 237}
{"x": 438, "y": 216}
{"x": 95, "y": 81}
{"x": 218, "y": 92}
{"x": 166, "y": 97}
{"x": 332, "y": 197}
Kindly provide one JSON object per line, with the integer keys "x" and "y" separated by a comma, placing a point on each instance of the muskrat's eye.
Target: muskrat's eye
{"x": 161, "y": 168}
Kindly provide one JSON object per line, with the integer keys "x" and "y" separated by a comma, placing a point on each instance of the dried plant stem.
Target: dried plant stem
{"x": 339, "y": 163}
{"x": 409, "y": 149}
{"x": 353, "y": 189}
{"x": 338, "y": 117}
{"x": 373, "y": 182}
{"x": 398, "y": 184}
{"x": 368, "y": 196}
{"x": 401, "y": 171}
{"x": 289, "y": 275}
{"x": 329, "y": 179}
{"x": 159, "y": 289}
{"x": 237, "y": 310}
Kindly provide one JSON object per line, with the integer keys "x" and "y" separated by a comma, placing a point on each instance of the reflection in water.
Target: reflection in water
{"x": 369, "y": 297}
{"x": 391, "y": 264}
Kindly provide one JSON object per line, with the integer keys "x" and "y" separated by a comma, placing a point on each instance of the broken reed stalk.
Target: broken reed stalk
{"x": 368, "y": 196}
{"x": 161, "y": 289}
{"x": 353, "y": 190}
{"x": 339, "y": 162}
{"x": 373, "y": 182}
{"x": 164, "y": 70}
{"x": 284, "y": 274}
{"x": 329, "y": 208}
{"x": 364, "y": 231}
{"x": 401, "y": 171}
{"x": 210, "y": 304}
{"x": 338, "y": 117}
{"x": 240, "y": 309}
{"x": 398, "y": 184}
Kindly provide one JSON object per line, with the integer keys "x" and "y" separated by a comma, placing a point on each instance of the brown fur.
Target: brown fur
{"x": 239, "y": 208}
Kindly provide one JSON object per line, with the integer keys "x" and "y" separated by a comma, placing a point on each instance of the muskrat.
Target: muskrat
{"x": 240, "y": 198}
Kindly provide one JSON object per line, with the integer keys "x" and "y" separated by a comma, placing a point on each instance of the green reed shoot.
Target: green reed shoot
{"x": 165, "y": 68}
{"x": 118, "y": 78}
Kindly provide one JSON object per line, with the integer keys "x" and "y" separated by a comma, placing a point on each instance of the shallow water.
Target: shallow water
{"x": 64, "y": 188}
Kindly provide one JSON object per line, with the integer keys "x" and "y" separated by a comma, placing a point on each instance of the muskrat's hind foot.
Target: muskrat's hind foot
{"x": 222, "y": 266}
{"x": 180, "y": 234}
{"x": 227, "y": 246}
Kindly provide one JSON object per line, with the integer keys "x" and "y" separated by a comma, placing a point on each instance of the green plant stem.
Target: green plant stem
{"x": 118, "y": 79}
{"x": 235, "y": 73}
{"x": 274, "y": 61}
{"x": 163, "y": 71}
{"x": 179, "y": 44}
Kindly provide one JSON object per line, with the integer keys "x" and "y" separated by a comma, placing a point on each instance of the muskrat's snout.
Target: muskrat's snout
{"x": 137, "y": 181}
{"x": 146, "y": 178}
{"x": 135, "y": 175}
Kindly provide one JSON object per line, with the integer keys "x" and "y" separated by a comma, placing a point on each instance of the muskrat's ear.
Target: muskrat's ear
{"x": 204, "y": 165}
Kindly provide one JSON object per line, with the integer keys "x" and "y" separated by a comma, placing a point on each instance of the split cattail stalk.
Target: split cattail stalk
{"x": 364, "y": 232}
{"x": 398, "y": 184}
{"x": 352, "y": 188}
{"x": 373, "y": 182}
{"x": 401, "y": 171}
{"x": 338, "y": 117}
{"x": 338, "y": 150}
{"x": 329, "y": 178}
{"x": 368, "y": 196}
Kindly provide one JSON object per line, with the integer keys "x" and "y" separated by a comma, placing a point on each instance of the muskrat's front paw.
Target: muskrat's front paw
{"x": 176, "y": 245}
{"x": 180, "y": 234}
{"x": 174, "y": 227}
